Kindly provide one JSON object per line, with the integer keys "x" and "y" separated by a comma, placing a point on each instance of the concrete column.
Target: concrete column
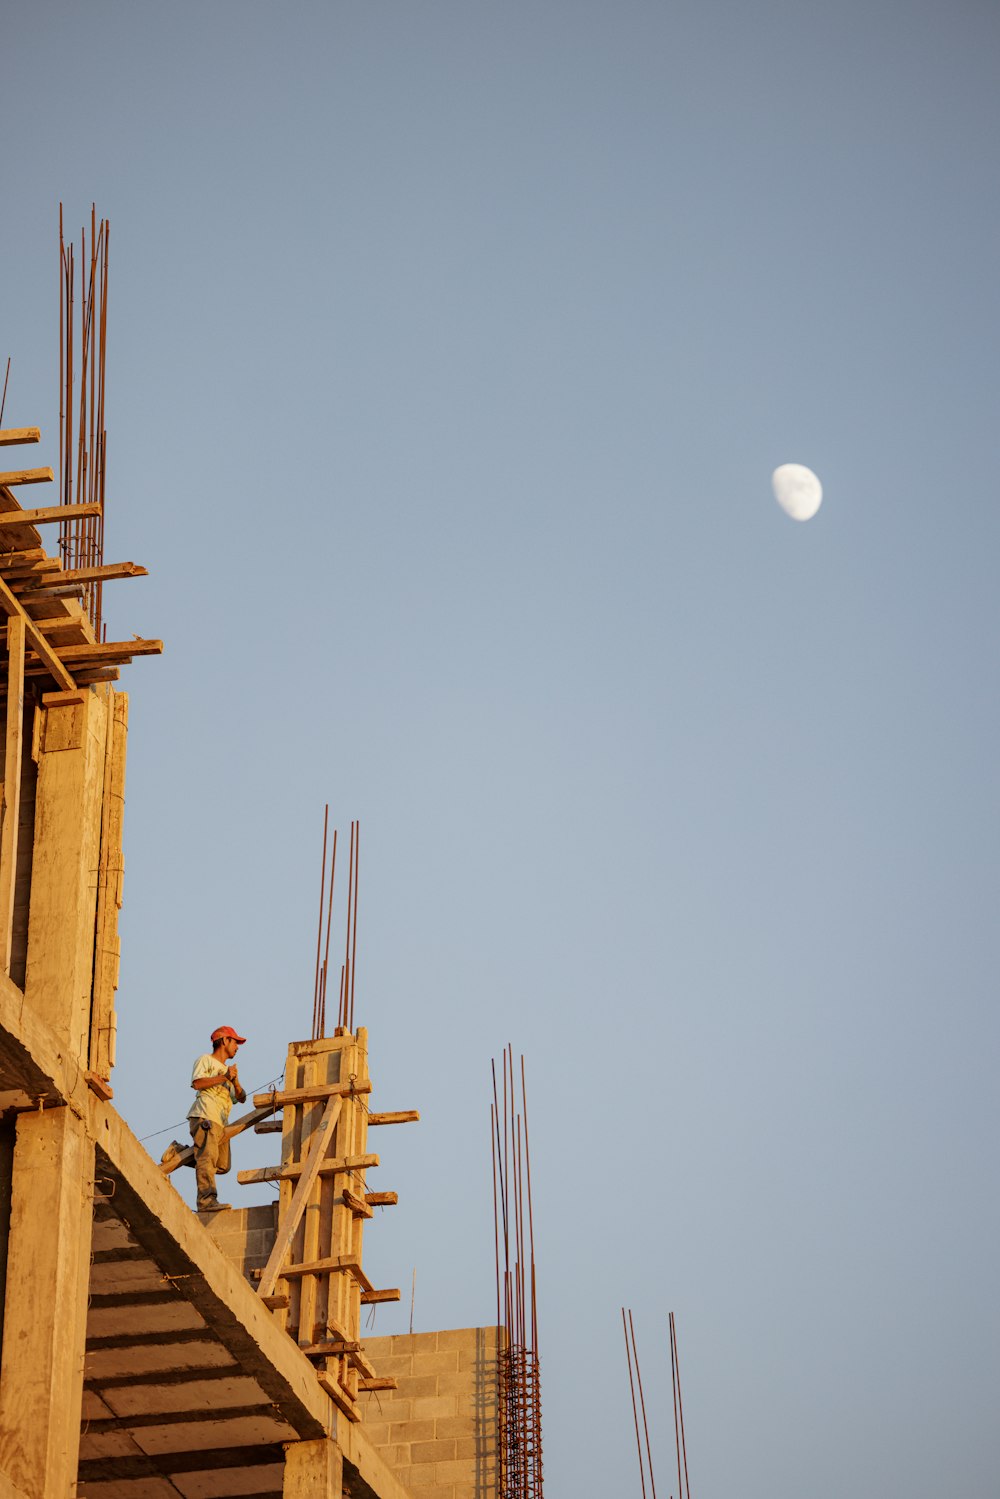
{"x": 45, "y": 1308}
{"x": 64, "y": 877}
{"x": 313, "y": 1470}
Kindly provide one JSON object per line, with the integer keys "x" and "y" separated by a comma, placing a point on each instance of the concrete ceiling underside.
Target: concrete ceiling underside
{"x": 168, "y": 1409}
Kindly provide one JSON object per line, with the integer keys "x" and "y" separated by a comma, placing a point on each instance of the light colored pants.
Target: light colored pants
{"x": 211, "y": 1156}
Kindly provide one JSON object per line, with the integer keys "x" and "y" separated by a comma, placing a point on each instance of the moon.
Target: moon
{"x": 797, "y": 490}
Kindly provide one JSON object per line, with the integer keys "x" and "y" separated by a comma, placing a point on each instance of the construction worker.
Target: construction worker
{"x": 216, "y": 1081}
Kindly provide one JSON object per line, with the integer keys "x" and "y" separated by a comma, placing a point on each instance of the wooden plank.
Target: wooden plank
{"x": 47, "y": 513}
{"x": 110, "y": 651}
{"x": 338, "y": 1396}
{"x": 110, "y": 875}
{"x": 269, "y": 1127}
{"x": 356, "y": 1205}
{"x": 107, "y": 573}
{"x": 27, "y": 476}
{"x": 10, "y": 606}
{"x": 300, "y": 1196}
{"x": 406, "y": 1116}
{"x": 331, "y": 1350}
{"x": 13, "y": 755}
{"x": 385, "y": 1383}
{"x": 24, "y": 556}
{"x": 245, "y": 1121}
{"x": 329, "y": 1167}
{"x": 381, "y": 1199}
{"x": 317, "y": 1094}
{"x": 11, "y": 437}
{"x": 325, "y": 1266}
{"x": 368, "y": 1297}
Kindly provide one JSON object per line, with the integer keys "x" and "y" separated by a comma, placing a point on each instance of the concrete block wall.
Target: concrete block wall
{"x": 437, "y": 1430}
{"x": 245, "y": 1235}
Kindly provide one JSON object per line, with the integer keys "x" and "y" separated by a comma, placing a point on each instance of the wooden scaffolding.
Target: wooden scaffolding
{"x": 314, "y": 1280}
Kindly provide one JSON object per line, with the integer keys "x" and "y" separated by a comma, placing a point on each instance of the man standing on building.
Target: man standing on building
{"x": 216, "y": 1081}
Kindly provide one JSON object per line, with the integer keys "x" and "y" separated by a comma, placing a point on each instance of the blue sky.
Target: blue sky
{"x": 451, "y": 351}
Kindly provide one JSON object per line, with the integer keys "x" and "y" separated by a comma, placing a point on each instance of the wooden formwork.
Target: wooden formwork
{"x": 314, "y": 1280}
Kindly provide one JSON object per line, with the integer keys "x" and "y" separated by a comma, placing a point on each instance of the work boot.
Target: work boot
{"x": 169, "y": 1158}
{"x": 214, "y": 1207}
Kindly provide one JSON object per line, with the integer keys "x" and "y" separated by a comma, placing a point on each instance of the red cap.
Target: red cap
{"x": 226, "y": 1032}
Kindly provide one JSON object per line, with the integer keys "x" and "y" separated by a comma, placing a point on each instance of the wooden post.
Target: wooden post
{"x": 13, "y": 752}
{"x": 313, "y": 1470}
{"x": 45, "y": 1310}
{"x": 103, "y": 1025}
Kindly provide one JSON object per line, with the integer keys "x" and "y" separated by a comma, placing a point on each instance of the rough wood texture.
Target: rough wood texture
{"x": 27, "y": 476}
{"x": 289, "y": 1222}
{"x": 329, "y": 1166}
{"x": 11, "y": 810}
{"x": 11, "y": 437}
{"x": 11, "y": 606}
{"x": 403, "y": 1116}
{"x": 107, "y": 948}
{"x": 316, "y": 1094}
{"x": 47, "y": 513}
{"x": 41, "y": 1373}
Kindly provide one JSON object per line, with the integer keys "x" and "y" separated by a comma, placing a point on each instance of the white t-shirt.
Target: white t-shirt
{"x": 211, "y": 1103}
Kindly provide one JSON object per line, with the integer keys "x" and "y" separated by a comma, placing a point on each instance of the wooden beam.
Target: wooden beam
{"x": 327, "y": 1266}
{"x": 329, "y": 1167}
{"x": 12, "y": 437}
{"x": 13, "y": 756}
{"x": 381, "y": 1199}
{"x": 331, "y": 1350}
{"x": 245, "y": 1121}
{"x": 384, "y": 1383}
{"x": 76, "y": 576}
{"x": 24, "y": 556}
{"x": 359, "y": 1208}
{"x": 94, "y": 655}
{"x": 406, "y": 1116}
{"x": 314, "y": 1095}
{"x": 48, "y": 513}
{"x": 269, "y": 1127}
{"x": 27, "y": 476}
{"x": 339, "y": 1396}
{"x": 10, "y": 606}
{"x": 300, "y": 1196}
{"x": 368, "y": 1297}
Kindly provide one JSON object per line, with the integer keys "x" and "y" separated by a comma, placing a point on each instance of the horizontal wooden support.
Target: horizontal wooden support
{"x": 294, "y": 1169}
{"x": 331, "y": 1350}
{"x": 110, "y": 652}
{"x": 381, "y": 1199}
{"x": 275, "y": 1302}
{"x": 406, "y": 1116}
{"x": 338, "y": 1395}
{"x": 76, "y": 577}
{"x": 100, "y": 1086}
{"x": 332, "y": 1264}
{"x": 358, "y": 1207}
{"x": 20, "y": 558}
{"x": 385, "y": 1382}
{"x": 12, "y": 437}
{"x": 269, "y": 1127}
{"x": 48, "y": 513}
{"x": 27, "y": 476}
{"x": 368, "y": 1297}
{"x": 318, "y": 1094}
{"x": 186, "y": 1156}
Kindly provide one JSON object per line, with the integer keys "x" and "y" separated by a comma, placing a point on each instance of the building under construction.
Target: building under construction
{"x": 148, "y": 1352}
